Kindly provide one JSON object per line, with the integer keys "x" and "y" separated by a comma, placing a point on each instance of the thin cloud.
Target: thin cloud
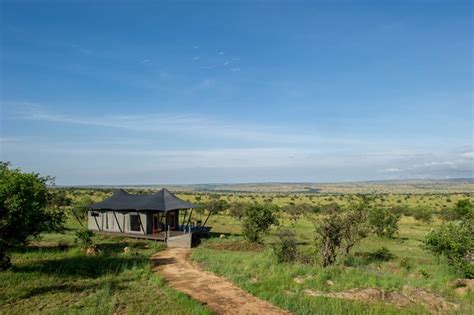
{"x": 234, "y": 69}
{"x": 196, "y": 58}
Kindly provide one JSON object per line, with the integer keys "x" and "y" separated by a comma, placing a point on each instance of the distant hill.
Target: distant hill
{"x": 415, "y": 186}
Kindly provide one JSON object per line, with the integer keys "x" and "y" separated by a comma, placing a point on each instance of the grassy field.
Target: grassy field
{"x": 54, "y": 276}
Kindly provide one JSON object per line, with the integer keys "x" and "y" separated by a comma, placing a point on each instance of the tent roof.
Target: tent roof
{"x": 162, "y": 200}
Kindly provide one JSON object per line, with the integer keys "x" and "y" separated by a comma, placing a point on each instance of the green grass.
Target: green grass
{"x": 260, "y": 274}
{"x": 51, "y": 279}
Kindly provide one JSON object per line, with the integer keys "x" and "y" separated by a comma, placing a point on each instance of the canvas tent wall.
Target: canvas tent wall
{"x": 129, "y": 213}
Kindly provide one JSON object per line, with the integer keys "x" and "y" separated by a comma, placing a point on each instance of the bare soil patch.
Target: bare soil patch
{"x": 409, "y": 296}
{"x": 217, "y": 293}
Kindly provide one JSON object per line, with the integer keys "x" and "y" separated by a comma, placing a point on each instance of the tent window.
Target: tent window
{"x": 134, "y": 222}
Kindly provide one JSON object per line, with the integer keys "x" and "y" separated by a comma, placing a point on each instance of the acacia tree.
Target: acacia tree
{"x": 24, "y": 213}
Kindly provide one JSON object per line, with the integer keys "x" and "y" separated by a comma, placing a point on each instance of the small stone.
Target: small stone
{"x": 222, "y": 236}
{"x": 126, "y": 250}
{"x": 329, "y": 282}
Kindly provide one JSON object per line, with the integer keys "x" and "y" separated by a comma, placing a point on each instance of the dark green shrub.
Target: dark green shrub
{"x": 24, "y": 211}
{"x": 257, "y": 220}
{"x": 383, "y": 222}
{"x": 463, "y": 210}
{"x": 285, "y": 248}
{"x": 454, "y": 242}
{"x": 84, "y": 238}
{"x": 422, "y": 214}
{"x": 381, "y": 254}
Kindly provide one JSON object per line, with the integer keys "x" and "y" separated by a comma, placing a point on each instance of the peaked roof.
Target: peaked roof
{"x": 162, "y": 200}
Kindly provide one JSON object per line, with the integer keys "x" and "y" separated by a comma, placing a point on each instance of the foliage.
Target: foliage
{"x": 24, "y": 215}
{"x": 422, "y": 214}
{"x": 84, "y": 237}
{"x": 80, "y": 209}
{"x": 454, "y": 241}
{"x": 257, "y": 220}
{"x": 285, "y": 248}
{"x": 237, "y": 210}
{"x": 381, "y": 254}
{"x": 57, "y": 198}
{"x": 383, "y": 222}
{"x": 337, "y": 233}
{"x": 463, "y": 210}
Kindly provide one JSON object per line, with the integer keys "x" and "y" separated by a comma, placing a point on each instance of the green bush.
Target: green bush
{"x": 463, "y": 210}
{"x": 337, "y": 233}
{"x": 257, "y": 220}
{"x": 383, "y": 222}
{"x": 84, "y": 238}
{"x": 381, "y": 254}
{"x": 454, "y": 242}
{"x": 285, "y": 248}
{"x": 422, "y": 214}
{"x": 24, "y": 212}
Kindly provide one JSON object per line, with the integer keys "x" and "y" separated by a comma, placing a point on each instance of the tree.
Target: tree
{"x": 257, "y": 220}
{"x": 214, "y": 206}
{"x": 24, "y": 213}
{"x": 383, "y": 222}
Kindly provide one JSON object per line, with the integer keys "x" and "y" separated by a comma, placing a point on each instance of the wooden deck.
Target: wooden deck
{"x": 161, "y": 236}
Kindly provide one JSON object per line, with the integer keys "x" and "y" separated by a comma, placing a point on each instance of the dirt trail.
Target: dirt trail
{"x": 217, "y": 293}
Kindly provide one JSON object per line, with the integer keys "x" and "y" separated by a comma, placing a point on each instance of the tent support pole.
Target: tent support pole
{"x": 77, "y": 218}
{"x": 189, "y": 219}
{"x": 97, "y": 223}
{"x": 141, "y": 224}
{"x": 184, "y": 216}
{"x": 116, "y": 220}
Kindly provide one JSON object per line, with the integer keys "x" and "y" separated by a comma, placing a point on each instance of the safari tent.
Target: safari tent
{"x": 158, "y": 216}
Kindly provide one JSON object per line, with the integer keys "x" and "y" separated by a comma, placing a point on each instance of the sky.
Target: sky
{"x": 181, "y": 92}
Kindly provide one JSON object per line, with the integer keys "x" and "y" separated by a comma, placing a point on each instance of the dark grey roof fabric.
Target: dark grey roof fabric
{"x": 163, "y": 200}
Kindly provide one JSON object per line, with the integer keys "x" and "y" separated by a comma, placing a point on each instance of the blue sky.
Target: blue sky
{"x": 122, "y": 92}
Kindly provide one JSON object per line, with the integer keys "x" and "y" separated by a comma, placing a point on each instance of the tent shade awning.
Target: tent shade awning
{"x": 162, "y": 200}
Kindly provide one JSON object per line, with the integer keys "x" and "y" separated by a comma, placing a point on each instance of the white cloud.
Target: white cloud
{"x": 390, "y": 170}
{"x": 235, "y": 69}
{"x": 468, "y": 155}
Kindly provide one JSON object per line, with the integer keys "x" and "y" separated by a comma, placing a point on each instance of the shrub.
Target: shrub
{"x": 383, "y": 222}
{"x": 84, "y": 238}
{"x": 285, "y": 248}
{"x": 337, "y": 233}
{"x": 237, "y": 210}
{"x": 257, "y": 220}
{"x": 406, "y": 263}
{"x": 463, "y": 210}
{"x": 24, "y": 213}
{"x": 381, "y": 254}
{"x": 454, "y": 241}
{"x": 422, "y": 214}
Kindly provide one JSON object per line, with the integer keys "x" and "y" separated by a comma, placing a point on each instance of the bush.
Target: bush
{"x": 24, "y": 213}
{"x": 257, "y": 220}
{"x": 381, "y": 254}
{"x": 422, "y": 214}
{"x": 337, "y": 233}
{"x": 454, "y": 241}
{"x": 383, "y": 222}
{"x": 285, "y": 248}
{"x": 463, "y": 210}
{"x": 84, "y": 238}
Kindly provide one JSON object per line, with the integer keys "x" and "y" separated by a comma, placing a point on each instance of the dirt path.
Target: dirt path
{"x": 217, "y": 293}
